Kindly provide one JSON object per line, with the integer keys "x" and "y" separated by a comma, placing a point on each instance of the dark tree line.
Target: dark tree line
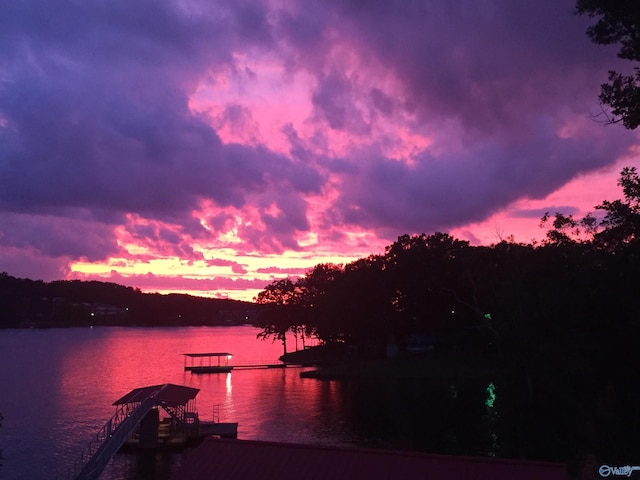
{"x": 560, "y": 320}
{"x": 561, "y": 317}
{"x": 436, "y": 284}
{"x": 34, "y": 303}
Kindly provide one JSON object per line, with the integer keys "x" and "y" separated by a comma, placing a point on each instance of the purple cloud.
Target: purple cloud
{"x": 97, "y": 124}
{"x": 150, "y": 282}
{"x": 94, "y": 109}
{"x": 493, "y": 83}
{"x": 56, "y": 237}
{"x": 439, "y": 193}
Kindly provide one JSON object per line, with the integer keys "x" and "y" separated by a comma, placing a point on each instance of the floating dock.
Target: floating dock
{"x": 207, "y": 364}
{"x": 218, "y": 362}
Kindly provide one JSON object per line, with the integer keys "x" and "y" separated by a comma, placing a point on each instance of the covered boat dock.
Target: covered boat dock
{"x": 179, "y": 427}
{"x": 137, "y": 424}
{"x": 205, "y": 363}
{"x": 218, "y": 362}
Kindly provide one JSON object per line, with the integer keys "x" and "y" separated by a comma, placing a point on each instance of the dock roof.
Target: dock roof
{"x": 167, "y": 393}
{"x": 242, "y": 459}
{"x": 215, "y": 354}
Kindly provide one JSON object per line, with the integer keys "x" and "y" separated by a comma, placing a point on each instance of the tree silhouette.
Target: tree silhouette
{"x": 622, "y": 221}
{"x": 618, "y": 23}
{"x": 282, "y": 296}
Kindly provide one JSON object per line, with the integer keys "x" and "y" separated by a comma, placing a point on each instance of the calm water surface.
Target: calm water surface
{"x": 57, "y": 387}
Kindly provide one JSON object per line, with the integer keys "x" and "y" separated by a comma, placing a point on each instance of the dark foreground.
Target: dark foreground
{"x": 243, "y": 459}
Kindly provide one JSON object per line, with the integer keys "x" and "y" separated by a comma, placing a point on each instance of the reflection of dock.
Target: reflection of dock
{"x": 218, "y": 362}
{"x": 261, "y": 366}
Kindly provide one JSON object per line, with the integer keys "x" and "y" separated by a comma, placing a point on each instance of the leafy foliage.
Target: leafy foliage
{"x": 276, "y": 321}
{"x": 618, "y": 23}
{"x": 622, "y": 221}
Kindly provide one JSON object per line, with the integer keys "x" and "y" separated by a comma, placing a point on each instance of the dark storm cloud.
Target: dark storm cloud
{"x": 56, "y": 236}
{"x": 493, "y": 83}
{"x": 27, "y": 263}
{"x": 95, "y": 119}
{"x": 491, "y": 65}
{"x": 333, "y": 99}
{"x": 439, "y": 193}
{"x": 94, "y": 108}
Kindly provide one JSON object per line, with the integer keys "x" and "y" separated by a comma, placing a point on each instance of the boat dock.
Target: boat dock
{"x": 218, "y": 362}
{"x": 206, "y": 363}
{"x": 181, "y": 428}
{"x": 137, "y": 424}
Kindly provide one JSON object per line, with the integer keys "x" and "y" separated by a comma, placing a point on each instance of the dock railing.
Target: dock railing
{"x": 107, "y": 441}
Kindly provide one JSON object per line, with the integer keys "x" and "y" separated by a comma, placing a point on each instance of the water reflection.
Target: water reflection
{"x": 64, "y": 381}
{"x": 491, "y": 419}
{"x": 229, "y": 389}
{"x": 421, "y": 415}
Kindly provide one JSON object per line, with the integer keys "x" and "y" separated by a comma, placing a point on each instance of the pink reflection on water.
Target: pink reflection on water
{"x": 270, "y": 404}
{"x": 61, "y": 383}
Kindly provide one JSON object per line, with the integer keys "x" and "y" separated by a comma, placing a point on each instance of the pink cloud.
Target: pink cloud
{"x": 283, "y": 271}
{"x": 153, "y": 283}
{"x": 247, "y": 135}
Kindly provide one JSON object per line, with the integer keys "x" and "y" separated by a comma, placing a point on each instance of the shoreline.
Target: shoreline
{"x": 431, "y": 366}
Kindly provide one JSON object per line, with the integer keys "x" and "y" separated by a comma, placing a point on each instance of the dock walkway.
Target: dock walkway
{"x": 137, "y": 423}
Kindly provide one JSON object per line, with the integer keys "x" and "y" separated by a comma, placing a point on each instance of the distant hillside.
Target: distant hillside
{"x": 68, "y": 303}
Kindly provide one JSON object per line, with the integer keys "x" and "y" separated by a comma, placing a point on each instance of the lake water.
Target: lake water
{"x": 57, "y": 387}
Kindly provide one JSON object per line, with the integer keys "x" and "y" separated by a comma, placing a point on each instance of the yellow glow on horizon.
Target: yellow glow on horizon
{"x": 247, "y": 295}
{"x": 251, "y": 266}
{"x": 226, "y": 257}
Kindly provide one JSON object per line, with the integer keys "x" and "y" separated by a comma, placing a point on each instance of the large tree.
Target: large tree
{"x": 282, "y": 296}
{"x": 619, "y": 228}
{"x": 426, "y": 271}
{"x": 618, "y": 23}
{"x": 622, "y": 221}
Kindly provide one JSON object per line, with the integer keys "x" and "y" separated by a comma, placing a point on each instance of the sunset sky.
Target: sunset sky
{"x": 210, "y": 147}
